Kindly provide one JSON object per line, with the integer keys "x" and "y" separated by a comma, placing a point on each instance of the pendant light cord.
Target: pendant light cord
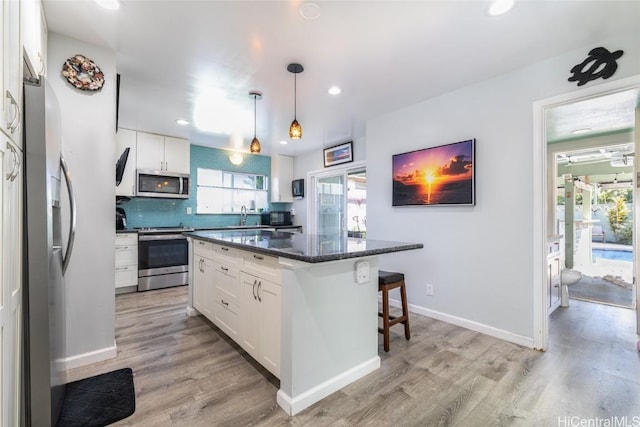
{"x": 295, "y": 96}
{"x": 254, "y": 115}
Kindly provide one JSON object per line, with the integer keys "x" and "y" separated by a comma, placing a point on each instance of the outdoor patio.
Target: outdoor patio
{"x": 605, "y": 280}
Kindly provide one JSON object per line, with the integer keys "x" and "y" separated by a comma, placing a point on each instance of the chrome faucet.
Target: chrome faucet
{"x": 243, "y": 215}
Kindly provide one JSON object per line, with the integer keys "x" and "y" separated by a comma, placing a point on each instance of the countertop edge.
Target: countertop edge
{"x": 310, "y": 259}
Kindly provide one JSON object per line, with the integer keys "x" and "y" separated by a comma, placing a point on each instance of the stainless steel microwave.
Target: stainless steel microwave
{"x": 168, "y": 185}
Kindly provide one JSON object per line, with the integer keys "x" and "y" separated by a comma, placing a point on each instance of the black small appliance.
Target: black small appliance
{"x": 276, "y": 218}
{"x": 121, "y": 219}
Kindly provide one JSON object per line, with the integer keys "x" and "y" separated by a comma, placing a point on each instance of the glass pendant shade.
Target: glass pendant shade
{"x": 295, "y": 130}
{"x": 255, "y": 145}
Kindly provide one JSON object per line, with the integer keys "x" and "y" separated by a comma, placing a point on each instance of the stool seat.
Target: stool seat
{"x": 388, "y": 280}
{"x": 388, "y": 277}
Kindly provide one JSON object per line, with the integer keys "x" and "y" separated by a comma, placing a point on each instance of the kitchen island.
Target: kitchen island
{"x": 304, "y": 306}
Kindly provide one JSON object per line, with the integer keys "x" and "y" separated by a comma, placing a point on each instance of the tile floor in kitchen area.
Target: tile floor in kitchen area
{"x": 188, "y": 373}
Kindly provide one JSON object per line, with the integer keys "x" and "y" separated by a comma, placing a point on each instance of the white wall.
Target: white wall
{"x": 88, "y": 128}
{"x": 314, "y": 161}
{"x": 479, "y": 258}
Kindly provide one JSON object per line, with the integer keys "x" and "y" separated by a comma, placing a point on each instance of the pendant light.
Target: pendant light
{"x": 255, "y": 144}
{"x": 295, "y": 130}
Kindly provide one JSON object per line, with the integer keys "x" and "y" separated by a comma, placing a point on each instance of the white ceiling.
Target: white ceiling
{"x": 385, "y": 55}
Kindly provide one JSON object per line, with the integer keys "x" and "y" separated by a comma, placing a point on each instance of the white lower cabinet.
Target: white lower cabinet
{"x": 226, "y": 308}
{"x": 239, "y": 292}
{"x": 126, "y": 260}
{"x": 203, "y": 282}
{"x": 260, "y": 324}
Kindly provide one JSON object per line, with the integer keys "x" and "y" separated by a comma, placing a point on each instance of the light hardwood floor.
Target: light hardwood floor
{"x": 188, "y": 373}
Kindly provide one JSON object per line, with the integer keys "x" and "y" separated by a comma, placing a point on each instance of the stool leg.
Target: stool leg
{"x": 405, "y": 311}
{"x": 385, "y": 318}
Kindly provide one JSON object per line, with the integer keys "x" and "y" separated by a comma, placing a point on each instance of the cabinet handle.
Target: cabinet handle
{"x": 12, "y": 174}
{"x": 224, "y": 268}
{"x": 258, "y": 257}
{"x": 43, "y": 65}
{"x": 556, "y": 286}
{"x": 200, "y": 265}
{"x": 121, "y": 268}
{"x": 13, "y": 125}
{"x": 226, "y": 304}
{"x": 123, "y": 248}
{"x": 258, "y": 292}
{"x": 254, "y": 289}
{"x": 224, "y": 249}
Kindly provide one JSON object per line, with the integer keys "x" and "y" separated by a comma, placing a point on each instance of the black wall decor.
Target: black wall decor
{"x": 599, "y": 63}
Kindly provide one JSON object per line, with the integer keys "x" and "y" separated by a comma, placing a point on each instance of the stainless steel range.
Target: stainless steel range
{"x": 163, "y": 257}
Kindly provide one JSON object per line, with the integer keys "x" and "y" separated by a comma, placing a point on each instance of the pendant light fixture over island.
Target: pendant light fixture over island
{"x": 255, "y": 143}
{"x": 295, "y": 130}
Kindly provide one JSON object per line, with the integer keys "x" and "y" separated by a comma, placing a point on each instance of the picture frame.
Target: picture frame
{"x": 338, "y": 154}
{"x": 443, "y": 175}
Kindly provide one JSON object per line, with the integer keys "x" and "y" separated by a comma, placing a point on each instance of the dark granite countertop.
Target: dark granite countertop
{"x": 302, "y": 247}
{"x": 126, "y": 230}
{"x": 247, "y": 227}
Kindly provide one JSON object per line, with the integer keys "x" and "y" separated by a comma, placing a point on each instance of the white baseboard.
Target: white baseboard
{"x": 468, "y": 324}
{"x": 296, "y": 404}
{"x": 90, "y": 357}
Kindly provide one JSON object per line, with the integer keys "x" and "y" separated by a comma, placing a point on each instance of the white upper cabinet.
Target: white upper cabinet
{"x": 281, "y": 177}
{"x": 34, "y": 33}
{"x": 11, "y": 71}
{"x": 126, "y": 138}
{"x": 176, "y": 155}
{"x": 163, "y": 153}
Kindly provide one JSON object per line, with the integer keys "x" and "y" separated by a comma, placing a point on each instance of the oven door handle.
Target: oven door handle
{"x": 143, "y": 237}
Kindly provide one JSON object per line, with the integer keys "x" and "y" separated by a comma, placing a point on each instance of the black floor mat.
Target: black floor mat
{"x": 99, "y": 401}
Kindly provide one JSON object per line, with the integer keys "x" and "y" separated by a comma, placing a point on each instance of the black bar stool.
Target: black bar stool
{"x": 388, "y": 280}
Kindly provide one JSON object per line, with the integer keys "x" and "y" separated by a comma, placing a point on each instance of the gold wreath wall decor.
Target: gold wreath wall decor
{"x": 82, "y": 73}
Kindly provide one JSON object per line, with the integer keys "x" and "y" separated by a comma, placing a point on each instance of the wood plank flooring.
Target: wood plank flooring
{"x": 188, "y": 373}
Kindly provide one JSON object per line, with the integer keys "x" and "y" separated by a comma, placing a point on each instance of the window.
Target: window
{"x": 220, "y": 191}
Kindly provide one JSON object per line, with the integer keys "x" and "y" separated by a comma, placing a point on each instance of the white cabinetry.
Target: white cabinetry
{"x": 126, "y": 260}
{"x": 203, "y": 281}
{"x": 281, "y": 177}
{"x": 260, "y": 331}
{"x": 553, "y": 281}
{"x": 34, "y": 36}
{"x": 165, "y": 153}
{"x": 11, "y": 113}
{"x": 126, "y": 138}
{"x": 239, "y": 291}
{"x": 10, "y": 279}
{"x": 226, "y": 292}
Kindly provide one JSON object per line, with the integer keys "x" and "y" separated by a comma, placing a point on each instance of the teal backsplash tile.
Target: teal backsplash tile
{"x": 149, "y": 212}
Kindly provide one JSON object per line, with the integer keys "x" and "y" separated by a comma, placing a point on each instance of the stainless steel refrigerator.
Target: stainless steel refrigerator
{"x": 47, "y": 254}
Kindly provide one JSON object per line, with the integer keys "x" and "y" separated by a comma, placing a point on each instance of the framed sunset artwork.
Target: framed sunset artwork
{"x": 442, "y": 175}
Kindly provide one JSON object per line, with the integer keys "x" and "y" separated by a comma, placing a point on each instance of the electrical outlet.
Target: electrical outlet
{"x": 429, "y": 289}
{"x": 188, "y": 210}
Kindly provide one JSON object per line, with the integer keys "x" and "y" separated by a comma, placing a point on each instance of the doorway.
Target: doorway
{"x": 337, "y": 201}
{"x": 544, "y": 192}
{"x": 593, "y": 212}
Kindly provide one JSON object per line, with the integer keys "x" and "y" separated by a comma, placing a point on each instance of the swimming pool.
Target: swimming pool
{"x": 613, "y": 254}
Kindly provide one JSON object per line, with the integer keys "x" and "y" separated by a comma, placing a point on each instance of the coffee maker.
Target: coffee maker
{"x": 121, "y": 219}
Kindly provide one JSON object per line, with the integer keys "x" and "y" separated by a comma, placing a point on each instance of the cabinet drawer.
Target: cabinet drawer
{"x": 202, "y": 248}
{"x": 226, "y": 317}
{"x": 127, "y": 255}
{"x": 227, "y": 282}
{"x": 263, "y": 266}
{"x": 126, "y": 276}
{"x": 227, "y": 254}
{"x": 123, "y": 239}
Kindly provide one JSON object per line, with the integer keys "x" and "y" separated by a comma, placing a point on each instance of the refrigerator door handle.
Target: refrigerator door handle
{"x": 72, "y": 206}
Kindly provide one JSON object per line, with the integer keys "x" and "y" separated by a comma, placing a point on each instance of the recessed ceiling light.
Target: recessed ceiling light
{"x": 581, "y": 131}
{"x": 284, "y": 142}
{"x": 310, "y": 11}
{"x": 500, "y": 7}
{"x": 334, "y": 90}
{"x": 182, "y": 122}
{"x": 109, "y": 4}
